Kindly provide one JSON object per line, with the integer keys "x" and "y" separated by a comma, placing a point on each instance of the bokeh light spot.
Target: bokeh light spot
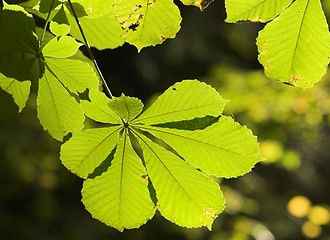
{"x": 319, "y": 215}
{"x": 299, "y": 206}
{"x": 311, "y": 230}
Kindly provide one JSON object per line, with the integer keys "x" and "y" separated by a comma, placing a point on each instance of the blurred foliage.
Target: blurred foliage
{"x": 285, "y": 197}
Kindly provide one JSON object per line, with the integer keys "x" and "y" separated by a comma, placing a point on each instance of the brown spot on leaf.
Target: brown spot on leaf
{"x": 145, "y": 176}
{"x": 205, "y": 3}
{"x": 163, "y": 38}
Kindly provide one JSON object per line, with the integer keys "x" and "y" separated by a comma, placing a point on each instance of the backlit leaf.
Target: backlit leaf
{"x": 147, "y": 23}
{"x": 103, "y": 32}
{"x": 185, "y": 100}
{"x": 99, "y": 109}
{"x": 181, "y": 189}
{"x": 61, "y": 47}
{"x": 87, "y": 149}
{"x": 254, "y": 10}
{"x": 74, "y": 74}
{"x": 224, "y": 149}
{"x": 295, "y": 47}
{"x": 19, "y": 90}
{"x": 120, "y": 197}
{"x": 60, "y": 24}
{"x": 127, "y": 108}
{"x": 58, "y": 112}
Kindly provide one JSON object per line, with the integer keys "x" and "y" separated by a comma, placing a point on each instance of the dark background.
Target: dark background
{"x": 40, "y": 198}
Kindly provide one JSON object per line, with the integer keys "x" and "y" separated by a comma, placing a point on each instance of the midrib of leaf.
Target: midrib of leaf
{"x": 145, "y": 18}
{"x": 54, "y": 102}
{"x": 172, "y": 112}
{"x": 298, "y": 37}
{"x": 9, "y": 85}
{"x": 122, "y": 169}
{"x": 251, "y": 8}
{"x": 84, "y": 159}
{"x": 138, "y": 136}
{"x": 191, "y": 139}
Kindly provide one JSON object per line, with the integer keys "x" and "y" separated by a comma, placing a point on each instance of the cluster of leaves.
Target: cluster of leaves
{"x": 159, "y": 159}
{"x": 294, "y": 47}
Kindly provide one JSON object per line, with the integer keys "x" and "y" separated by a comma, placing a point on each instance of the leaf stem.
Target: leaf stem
{"x": 47, "y": 21}
{"x": 91, "y": 55}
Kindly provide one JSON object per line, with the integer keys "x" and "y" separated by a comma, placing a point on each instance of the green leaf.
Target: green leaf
{"x": 224, "y": 149}
{"x": 120, "y": 197}
{"x": 96, "y": 8}
{"x": 87, "y": 149}
{"x": 127, "y": 108}
{"x": 295, "y": 47}
{"x": 74, "y": 74}
{"x": 14, "y": 38}
{"x": 19, "y": 90}
{"x": 185, "y": 100}
{"x": 99, "y": 109}
{"x": 185, "y": 196}
{"x": 60, "y": 24}
{"x": 147, "y": 23}
{"x": 103, "y": 32}
{"x": 61, "y": 47}
{"x": 58, "y": 112}
{"x": 48, "y": 5}
{"x": 168, "y": 149}
{"x": 202, "y": 4}
{"x": 254, "y": 10}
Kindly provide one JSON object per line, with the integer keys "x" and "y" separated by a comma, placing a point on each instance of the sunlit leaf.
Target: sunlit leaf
{"x": 295, "y": 47}
{"x": 254, "y": 10}
{"x": 127, "y": 108}
{"x": 103, "y": 32}
{"x": 87, "y": 149}
{"x": 185, "y": 196}
{"x": 225, "y": 149}
{"x": 19, "y": 90}
{"x": 96, "y": 8}
{"x": 177, "y": 158}
{"x": 74, "y": 74}
{"x": 61, "y": 47}
{"x": 186, "y": 100}
{"x": 120, "y": 197}
{"x": 147, "y": 23}
{"x": 99, "y": 109}
{"x": 60, "y": 24}
{"x": 58, "y": 112}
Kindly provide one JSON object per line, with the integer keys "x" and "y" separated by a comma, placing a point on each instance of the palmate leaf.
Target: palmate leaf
{"x": 254, "y": 10}
{"x": 184, "y": 195}
{"x": 295, "y": 47}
